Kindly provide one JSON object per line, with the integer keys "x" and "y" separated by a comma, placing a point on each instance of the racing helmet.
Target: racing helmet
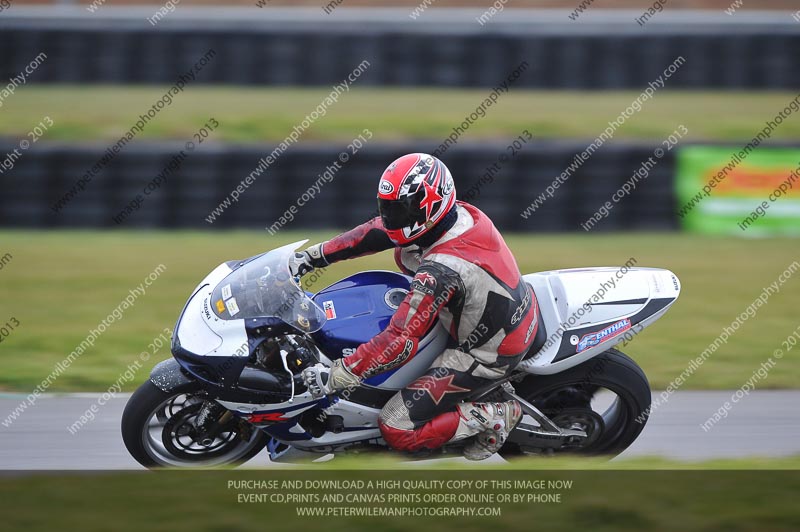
{"x": 415, "y": 193}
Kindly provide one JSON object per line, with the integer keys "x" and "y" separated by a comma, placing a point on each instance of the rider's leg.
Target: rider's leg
{"x": 429, "y": 412}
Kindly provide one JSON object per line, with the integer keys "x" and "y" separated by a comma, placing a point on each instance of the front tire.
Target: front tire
{"x": 568, "y": 399}
{"x": 155, "y": 427}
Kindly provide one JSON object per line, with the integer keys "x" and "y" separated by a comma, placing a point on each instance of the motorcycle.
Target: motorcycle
{"x": 248, "y": 330}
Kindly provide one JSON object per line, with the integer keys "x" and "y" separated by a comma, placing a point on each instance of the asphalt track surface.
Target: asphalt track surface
{"x": 764, "y": 423}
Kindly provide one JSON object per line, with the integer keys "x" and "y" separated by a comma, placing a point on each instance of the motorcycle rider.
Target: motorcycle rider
{"x": 464, "y": 275}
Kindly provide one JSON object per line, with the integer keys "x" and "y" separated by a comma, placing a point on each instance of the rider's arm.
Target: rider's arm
{"x": 365, "y": 239}
{"x": 433, "y": 287}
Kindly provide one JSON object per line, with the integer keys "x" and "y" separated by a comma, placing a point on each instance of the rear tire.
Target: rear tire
{"x": 138, "y": 415}
{"x": 566, "y": 394}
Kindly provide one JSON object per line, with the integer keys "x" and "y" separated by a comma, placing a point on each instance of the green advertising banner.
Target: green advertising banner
{"x": 746, "y": 191}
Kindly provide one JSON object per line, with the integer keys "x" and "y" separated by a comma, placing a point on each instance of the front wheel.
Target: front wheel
{"x": 607, "y": 396}
{"x": 159, "y": 429}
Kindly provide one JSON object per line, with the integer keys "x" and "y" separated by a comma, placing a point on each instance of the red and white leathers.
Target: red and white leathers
{"x": 469, "y": 280}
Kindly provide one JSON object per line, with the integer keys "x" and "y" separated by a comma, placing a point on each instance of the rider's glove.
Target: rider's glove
{"x": 321, "y": 380}
{"x": 305, "y": 261}
{"x": 301, "y": 264}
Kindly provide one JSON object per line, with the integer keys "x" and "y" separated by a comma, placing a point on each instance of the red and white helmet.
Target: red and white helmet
{"x": 415, "y": 192}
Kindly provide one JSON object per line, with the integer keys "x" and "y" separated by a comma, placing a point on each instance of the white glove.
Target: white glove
{"x": 321, "y": 380}
{"x": 317, "y": 379}
{"x": 303, "y": 261}
{"x": 300, "y": 264}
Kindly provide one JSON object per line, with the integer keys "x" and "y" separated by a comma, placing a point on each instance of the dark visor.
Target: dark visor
{"x": 396, "y": 214}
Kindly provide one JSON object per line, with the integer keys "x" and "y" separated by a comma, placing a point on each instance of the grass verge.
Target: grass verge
{"x": 599, "y": 500}
{"x": 59, "y": 285}
{"x": 269, "y": 114}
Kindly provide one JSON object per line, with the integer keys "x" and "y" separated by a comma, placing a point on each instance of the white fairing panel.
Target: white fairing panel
{"x": 201, "y": 332}
{"x": 587, "y": 311}
{"x": 361, "y": 421}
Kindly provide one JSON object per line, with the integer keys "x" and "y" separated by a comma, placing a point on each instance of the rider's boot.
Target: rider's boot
{"x": 490, "y": 423}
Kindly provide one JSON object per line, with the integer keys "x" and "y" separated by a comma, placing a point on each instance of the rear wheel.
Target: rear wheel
{"x": 159, "y": 429}
{"x": 608, "y": 397}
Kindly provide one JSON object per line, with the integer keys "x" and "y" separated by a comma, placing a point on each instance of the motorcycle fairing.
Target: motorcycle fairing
{"x": 628, "y": 304}
{"x": 361, "y": 306}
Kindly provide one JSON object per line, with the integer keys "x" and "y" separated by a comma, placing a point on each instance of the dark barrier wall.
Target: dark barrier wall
{"x": 252, "y": 54}
{"x": 188, "y": 195}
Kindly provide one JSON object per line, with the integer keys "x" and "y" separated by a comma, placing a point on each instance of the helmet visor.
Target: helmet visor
{"x": 396, "y": 214}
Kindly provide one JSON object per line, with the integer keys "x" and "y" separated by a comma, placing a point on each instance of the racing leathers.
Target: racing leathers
{"x": 464, "y": 275}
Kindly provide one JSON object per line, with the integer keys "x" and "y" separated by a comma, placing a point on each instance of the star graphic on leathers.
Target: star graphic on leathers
{"x": 425, "y": 278}
{"x": 436, "y": 387}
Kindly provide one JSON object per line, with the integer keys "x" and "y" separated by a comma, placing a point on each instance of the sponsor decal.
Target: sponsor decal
{"x": 675, "y": 283}
{"x": 424, "y": 282}
{"x": 220, "y": 306}
{"x": 385, "y": 187}
{"x": 521, "y": 308}
{"x": 205, "y": 309}
{"x": 448, "y": 187}
{"x": 226, "y": 291}
{"x": 404, "y": 355}
{"x": 657, "y": 286}
{"x": 477, "y": 415}
{"x": 613, "y": 330}
{"x": 532, "y": 326}
{"x": 266, "y": 417}
{"x": 426, "y": 279}
{"x": 233, "y": 308}
{"x": 330, "y": 310}
{"x": 348, "y": 351}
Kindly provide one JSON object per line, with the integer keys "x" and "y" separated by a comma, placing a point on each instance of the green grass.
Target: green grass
{"x": 59, "y": 285}
{"x": 601, "y": 501}
{"x": 254, "y": 115}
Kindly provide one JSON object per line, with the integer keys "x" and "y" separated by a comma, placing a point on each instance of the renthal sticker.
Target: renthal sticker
{"x": 226, "y": 291}
{"x": 330, "y": 310}
{"x": 233, "y": 308}
{"x": 592, "y": 339}
{"x": 220, "y": 306}
{"x": 386, "y": 187}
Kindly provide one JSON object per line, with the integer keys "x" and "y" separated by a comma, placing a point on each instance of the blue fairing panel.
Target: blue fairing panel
{"x": 358, "y": 307}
